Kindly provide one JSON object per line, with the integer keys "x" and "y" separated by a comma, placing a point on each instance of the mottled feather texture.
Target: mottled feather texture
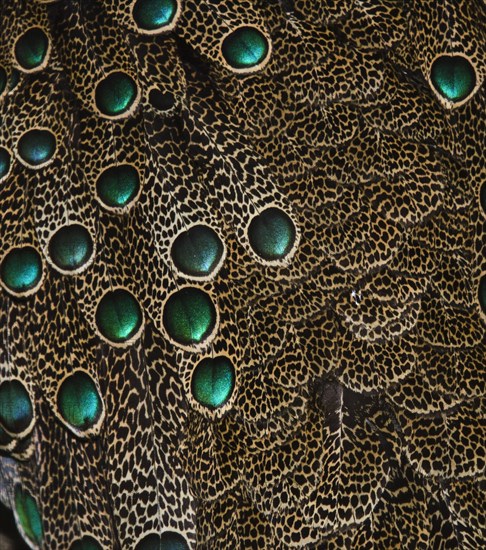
{"x": 243, "y": 274}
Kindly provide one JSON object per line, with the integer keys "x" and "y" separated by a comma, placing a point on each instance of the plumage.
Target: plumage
{"x": 242, "y": 274}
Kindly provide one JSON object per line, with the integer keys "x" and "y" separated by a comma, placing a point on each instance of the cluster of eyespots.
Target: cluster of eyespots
{"x": 116, "y": 95}
{"x": 31, "y": 50}
{"x": 78, "y": 401}
{"x": 119, "y": 316}
{"x": 190, "y": 316}
{"x": 21, "y": 268}
{"x": 35, "y": 147}
{"x": 70, "y": 249}
{"x": 244, "y": 49}
{"x": 453, "y": 77}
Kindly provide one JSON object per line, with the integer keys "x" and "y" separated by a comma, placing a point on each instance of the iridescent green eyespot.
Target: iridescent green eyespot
{"x": 245, "y": 48}
{"x": 453, "y": 77}
{"x": 169, "y": 540}
{"x": 36, "y": 147}
{"x": 115, "y": 94}
{"x": 31, "y": 49}
{"x": 272, "y": 234}
{"x": 118, "y": 186}
{"x": 4, "y": 162}
{"x": 71, "y": 247}
{"x": 16, "y": 411}
{"x": 213, "y": 381}
{"x": 28, "y": 515}
{"x": 86, "y": 543}
{"x": 153, "y": 15}
{"x": 21, "y": 269}
{"x": 79, "y": 402}
{"x": 197, "y": 251}
{"x": 189, "y": 316}
{"x": 118, "y": 316}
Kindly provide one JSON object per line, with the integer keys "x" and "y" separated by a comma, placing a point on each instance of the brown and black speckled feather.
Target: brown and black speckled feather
{"x": 357, "y": 415}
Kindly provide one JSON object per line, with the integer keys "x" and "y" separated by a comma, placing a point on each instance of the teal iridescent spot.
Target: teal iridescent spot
{"x": 21, "y": 269}
{"x": 3, "y": 79}
{"x": 71, "y": 247}
{"x": 118, "y": 185}
{"x": 453, "y": 77}
{"x": 28, "y": 515}
{"x": 115, "y": 94}
{"x": 4, "y": 162}
{"x": 151, "y": 15}
{"x": 482, "y": 293}
{"x": 245, "y": 47}
{"x": 16, "y": 411}
{"x": 86, "y": 543}
{"x": 118, "y": 316}
{"x": 197, "y": 251}
{"x": 482, "y": 195}
{"x": 272, "y": 234}
{"x": 31, "y": 49}
{"x": 170, "y": 540}
{"x": 189, "y": 316}
{"x": 36, "y": 147}
{"x": 213, "y": 381}
{"x": 79, "y": 401}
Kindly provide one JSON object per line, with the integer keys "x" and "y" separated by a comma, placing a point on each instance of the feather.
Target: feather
{"x": 242, "y": 274}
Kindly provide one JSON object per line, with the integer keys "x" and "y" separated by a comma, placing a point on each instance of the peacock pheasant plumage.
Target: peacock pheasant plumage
{"x": 243, "y": 274}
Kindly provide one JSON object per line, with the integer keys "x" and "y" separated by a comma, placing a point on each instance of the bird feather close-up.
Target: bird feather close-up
{"x": 242, "y": 274}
